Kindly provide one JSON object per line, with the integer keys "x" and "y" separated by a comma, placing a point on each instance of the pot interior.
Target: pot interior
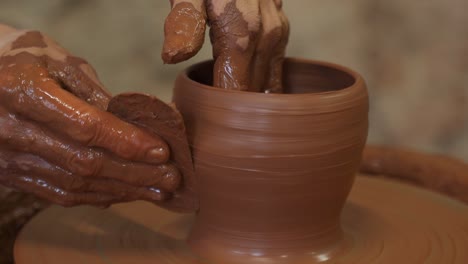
{"x": 299, "y": 76}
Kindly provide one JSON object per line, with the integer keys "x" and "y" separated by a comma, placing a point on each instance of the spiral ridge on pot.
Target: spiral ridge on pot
{"x": 268, "y": 192}
{"x": 274, "y": 169}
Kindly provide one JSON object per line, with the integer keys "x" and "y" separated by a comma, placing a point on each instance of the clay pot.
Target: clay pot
{"x": 273, "y": 170}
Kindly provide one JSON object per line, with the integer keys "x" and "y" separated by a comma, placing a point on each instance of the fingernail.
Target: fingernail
{"x": 156, "y": 194}
{"x": 157, "y": 155}
{"x": 171, "y": 180}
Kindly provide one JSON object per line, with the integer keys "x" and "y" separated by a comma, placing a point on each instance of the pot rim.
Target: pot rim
{"x": 358, "y": 80}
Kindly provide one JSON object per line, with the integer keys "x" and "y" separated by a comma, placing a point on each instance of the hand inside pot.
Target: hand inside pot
{"x": 58, "y": 142}
{"x": 249, "y": 39}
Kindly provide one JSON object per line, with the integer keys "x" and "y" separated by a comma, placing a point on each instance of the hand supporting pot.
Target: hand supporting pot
{"x": 57, "y": 140}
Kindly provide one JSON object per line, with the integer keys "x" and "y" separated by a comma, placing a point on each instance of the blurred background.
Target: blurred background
{"x": 413, "y": 54}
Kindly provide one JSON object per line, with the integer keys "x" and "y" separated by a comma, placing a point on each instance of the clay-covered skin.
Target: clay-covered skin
{"x": 273, "y": 172}
{"x": 163, "y": 120}
{"x": 249, "y": 39}
{"x": 58, "y": 142}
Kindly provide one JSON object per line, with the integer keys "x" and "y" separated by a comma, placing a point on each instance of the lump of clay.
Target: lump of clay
{"x": 159, "y": 118}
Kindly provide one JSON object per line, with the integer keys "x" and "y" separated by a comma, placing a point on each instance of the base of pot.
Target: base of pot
{"x": 384, "y": 222}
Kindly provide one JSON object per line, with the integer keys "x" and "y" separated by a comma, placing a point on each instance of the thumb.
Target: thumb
{"x": 184, "y": 30}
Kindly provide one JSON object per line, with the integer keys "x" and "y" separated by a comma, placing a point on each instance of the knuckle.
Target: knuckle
{"x": 91, "y": 122}
{"x": 75, "y": 184}
{"x": 236, "y": 24}
{"x": 66, "y": 200}
{"x": 86, "y": 163}
{"x": 255, "y": 24}
{"x": 130, "y": 148}
{"x": 18, "y": 136}
{"x": 7, "y": 129}
{"x": 25, "y": 140}
{"x": 279, "y": 3}
{"x": 277, "y": 23}
{"x": 136, "y": 144}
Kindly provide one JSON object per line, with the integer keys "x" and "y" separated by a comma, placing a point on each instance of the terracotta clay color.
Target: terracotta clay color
{"x": 383, "y": 222}
{"x": 165, "y": 121}
{"x": 248, "y": 38}
{"x": 273, "y": 173}
{"x": 58, "y": 142}
{"x": 440, "y": 173}
{"x": 266, "y": 164}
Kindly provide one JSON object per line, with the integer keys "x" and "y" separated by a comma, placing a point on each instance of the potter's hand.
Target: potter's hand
{"x": 56, "y": 139}
{"x": 249, "y": 38}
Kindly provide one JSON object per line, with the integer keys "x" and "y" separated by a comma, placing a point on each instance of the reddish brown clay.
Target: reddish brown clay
{"x": 383, "y": 222}
{"x": 273, "y": 173}
{"x": 248, "y": 37}
{"x": 440, "y": 173}
{"x": 266, "y": 164}
{"x": 58, "y": 142}
{"x": 165, "y": 121}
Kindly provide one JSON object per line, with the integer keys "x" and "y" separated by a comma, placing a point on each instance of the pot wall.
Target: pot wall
{"x": 273, "y": 170}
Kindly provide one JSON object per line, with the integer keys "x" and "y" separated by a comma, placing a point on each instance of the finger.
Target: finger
{"x": 52, "y": 193}
{"x": 267, "y": 76}
{"x": 268, "y": 36}
{"x": 275, "y": 76}
{"x": 38, "y": 168}
{"x": 279, "y": 3}
{"x": 232, "y": 69}
{"x": 58, "y": 110}
{"x": 14, "y": 173}
{"x": 25, "y": 137}
{"x": 184, "y": 30}
{"x": 233, "y": 33}
{"x": 80, "y": 79}
{"x": 166, "y": 121}
{"x": 75, "y": 73}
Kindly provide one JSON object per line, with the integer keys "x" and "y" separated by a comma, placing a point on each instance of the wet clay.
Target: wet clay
{"x": 383, "y": 222}
{"x": 267, "y": 163}
{"x": 273, "y": 175}
{"x": 440, "y": 173}
{"x": 29, "y": 40}
{"x": 249, "y": 39}
{"x": 184, "y": 32}
{"x": 163, "y": 120}
{"x": 53, "y": 119}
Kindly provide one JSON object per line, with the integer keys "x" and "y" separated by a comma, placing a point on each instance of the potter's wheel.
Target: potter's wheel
{"x": 384, "y": 221}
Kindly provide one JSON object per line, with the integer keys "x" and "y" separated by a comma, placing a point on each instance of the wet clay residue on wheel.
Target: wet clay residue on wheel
{"x": 439, "y": 173}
